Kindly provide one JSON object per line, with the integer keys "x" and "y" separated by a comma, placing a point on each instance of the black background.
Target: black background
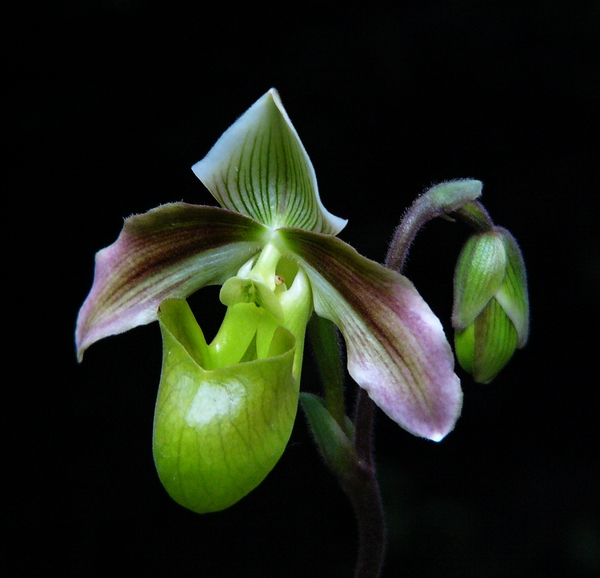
{"x": 113, "y": 101}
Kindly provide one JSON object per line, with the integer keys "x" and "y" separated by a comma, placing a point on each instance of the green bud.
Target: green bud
{"x": 491, "y": 307}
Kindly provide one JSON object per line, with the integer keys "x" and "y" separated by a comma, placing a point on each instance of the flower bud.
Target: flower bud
{"x": 491, "y": 308}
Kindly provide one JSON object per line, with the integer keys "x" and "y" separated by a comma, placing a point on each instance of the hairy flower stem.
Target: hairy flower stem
{"x": 365, "y": 497}
{"x": 453, "y": 197}
{"x": 357, "y": 477}
{"x": 363, "y": 489}
{"x": 356, "y": 474}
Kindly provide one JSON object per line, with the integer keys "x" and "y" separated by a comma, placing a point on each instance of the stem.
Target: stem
{"x": 405, "y": 233}
{"x": 356, "y": 477}
{"x": 364, "y": 494}
{"x": 441, "y": 200}
{"x": 361, "y": 486}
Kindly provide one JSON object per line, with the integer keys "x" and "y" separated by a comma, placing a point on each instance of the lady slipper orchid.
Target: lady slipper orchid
{"x": 225, "y": 410}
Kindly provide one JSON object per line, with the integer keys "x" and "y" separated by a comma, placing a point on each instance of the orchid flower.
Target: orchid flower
{"x": 225, "y": 409}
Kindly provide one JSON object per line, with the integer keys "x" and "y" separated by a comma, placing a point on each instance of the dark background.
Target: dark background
{"x": 113, "y": 101}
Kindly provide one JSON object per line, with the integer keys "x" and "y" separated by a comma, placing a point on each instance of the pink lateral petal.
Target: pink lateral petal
{"x": 170, "y": 251}
{"x": 397, "y": 349}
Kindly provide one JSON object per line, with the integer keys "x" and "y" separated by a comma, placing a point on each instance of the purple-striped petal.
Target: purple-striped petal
{"x": 170, "y": 251}
{"x": 397, "y": 350}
